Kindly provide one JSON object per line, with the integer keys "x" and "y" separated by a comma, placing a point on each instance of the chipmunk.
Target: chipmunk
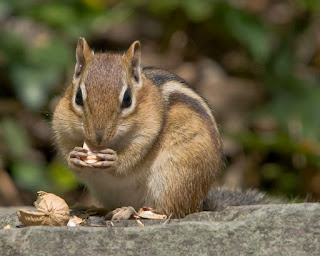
{"x": 152, "y": 140}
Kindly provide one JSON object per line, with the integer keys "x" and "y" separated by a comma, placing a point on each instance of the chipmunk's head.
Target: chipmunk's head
{"x": 105, "y": 91}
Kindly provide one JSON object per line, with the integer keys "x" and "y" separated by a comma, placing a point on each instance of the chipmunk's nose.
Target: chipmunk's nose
{"x": 99, "y": 137}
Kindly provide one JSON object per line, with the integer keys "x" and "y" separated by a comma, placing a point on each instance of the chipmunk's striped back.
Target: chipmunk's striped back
{"x": 189, "y": 144}
{"x": 175, "y": 89}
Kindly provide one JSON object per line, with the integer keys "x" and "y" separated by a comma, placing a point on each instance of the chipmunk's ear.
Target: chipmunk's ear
{"x": 83, "y": 56}
{"x": 133, "y": 59}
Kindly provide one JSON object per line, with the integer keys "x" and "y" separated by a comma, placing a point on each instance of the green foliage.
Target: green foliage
{"x": 28, "y": 173}
{"x": 197, "y": 10}
{"x": 284, "y": 180}
{"x": 30, "y": 176}
{"x": 63, "y": 180}
{"x": 246, "y": 28}
{"x": 312, "y": 5}
{"x": 15, "y": 138}
{"x": 32, "y": 80}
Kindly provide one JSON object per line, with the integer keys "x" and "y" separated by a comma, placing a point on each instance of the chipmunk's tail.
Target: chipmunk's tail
{"x": 218, "y": 199}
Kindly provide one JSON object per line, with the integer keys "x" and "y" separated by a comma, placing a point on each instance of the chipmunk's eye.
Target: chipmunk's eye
{"x": 79, "y": 99}
{"x": 126, "y": 101}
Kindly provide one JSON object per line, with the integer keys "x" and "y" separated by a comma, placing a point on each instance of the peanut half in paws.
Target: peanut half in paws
{"x": 91, "y": 158}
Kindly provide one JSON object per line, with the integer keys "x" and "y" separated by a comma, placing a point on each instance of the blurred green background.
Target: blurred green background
{"x": 257, "y": 62}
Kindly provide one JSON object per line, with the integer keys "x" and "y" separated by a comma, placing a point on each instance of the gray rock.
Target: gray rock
{"x": 8, "y": 215}
{"x": 292, "y": 229}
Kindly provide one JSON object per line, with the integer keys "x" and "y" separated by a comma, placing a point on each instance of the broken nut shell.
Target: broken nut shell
{"x": 51, "y": 211}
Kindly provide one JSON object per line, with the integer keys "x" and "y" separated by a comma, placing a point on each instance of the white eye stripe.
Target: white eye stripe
{"x": 83, "y": 91}
{"x": 123, "y": 90}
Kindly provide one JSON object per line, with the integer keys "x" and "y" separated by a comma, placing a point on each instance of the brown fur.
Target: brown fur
{"x": 167, "y": 143}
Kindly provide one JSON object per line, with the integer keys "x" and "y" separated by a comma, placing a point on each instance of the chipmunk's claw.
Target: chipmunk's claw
{"x": 107, "y": 158}
{"x": 123, "y": 213}
{"x": 77, "y": 155}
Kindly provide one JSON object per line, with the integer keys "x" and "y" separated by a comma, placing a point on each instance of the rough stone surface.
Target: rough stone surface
{"x": 8, "y": 216}
{"x": 292, "y": 229}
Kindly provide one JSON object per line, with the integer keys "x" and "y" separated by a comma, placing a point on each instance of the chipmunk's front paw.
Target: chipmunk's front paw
{"x": 78, "y": 156}
{"x": 82, "y": 157}
{"x": 106, "y": 158}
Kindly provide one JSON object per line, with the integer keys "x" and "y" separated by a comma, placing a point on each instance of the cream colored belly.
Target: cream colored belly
{"x": 113, "y": 192}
